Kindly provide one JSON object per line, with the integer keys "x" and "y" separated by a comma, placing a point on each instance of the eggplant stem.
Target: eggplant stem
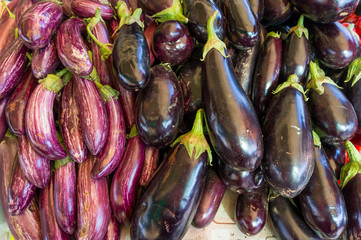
{"x": 299, "y": 29}
{"x": 174, "y": 12}
{"x": 11, "y": 15}
{"x": 292, "y": 81}
{"x": 353, "y": 167}
{"x": 107, "y": 91}
{"x": 273, "y": 34}
{"x": 353, "y": 153}
{"x": 128, "y": 20}
{"x": 133, "y": 132}
{"x": 62, "y": 72}
{"x": 61, "y": 162}
{"x": 316, "y": 139}
{"x": 354, "y": 71}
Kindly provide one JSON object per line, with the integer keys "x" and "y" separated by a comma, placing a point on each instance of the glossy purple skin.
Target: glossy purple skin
{"x": 94, "y": 211}
{"x": 45, "y": 60}
{"x": 131, "y": 58}
{"x": 93, "y": 114}
{"x": 211, "y": 198}
{"x": 12, "y": 66}
{"x": 49, "y": 227}
{"x": 150, "y": 165}
{"x": 38, "y": 23}
{"x": 87, "y": 8}
{"x": 26, "y": 225}
{"x": 336, "y": 157}
{"x": 3, "y": 123}
{"x": 151, "y": 7}
{"x": 251, "y": 211}
{"x": 65, "y": 202}
{"x": 288, "y": 143}
{"x": 333, "y": 44}
{"x": 114, "y": 230}
{"x": 70, "y": 124}
{"x": 159, "y": 108}
{"x": 276, "y": 12}
{"x": 352, "y": 195}
{"x": 40, "y": 124}
{"x": 111, "y": 154}
{"x": 257, "y": 7}
{"x": 353, "y": 93}
{"x": 332, "y": 114}
{"x": 21, "y": 191}
{"x": 66, "y": 6}
{"x": 7, "y": 26}
{"x": 266, "y": 75}
{"x": 123, "y": 190}
{"x": 172, "y": 43}
{"x": 169, "y": 203}
{"x": 325, "y": 11}
{"x": 35, "y": 167}
{"x": 23, "y": 5}
{"x": 72, "y": 49}
{"x": 232, "y": 121}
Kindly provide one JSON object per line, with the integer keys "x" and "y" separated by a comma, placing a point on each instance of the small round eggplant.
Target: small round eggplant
{"x": 159, "y": 108}
{"x": 152, "y": 7}
{"x": 257, "y": 7}
{"x": 3, "y": 123}
{"x": 44, "y": 60}
{"x": 276, "y": 12}
{"x": 172, "y": 43}
{"x": 87, "y": 8}
{"x": 336, "y": 157}
{"x": 151, "y": 157}
{"x": 113, "y": 231}
{"x": 38, "y": 23}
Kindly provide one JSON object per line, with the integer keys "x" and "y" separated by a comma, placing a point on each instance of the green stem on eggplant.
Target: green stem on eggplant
{"x": 316, "y": 139}
{"x": 54, "y": 82}
{"x": 195, "y": 141}
{"x": 299, "y": 29}
{"x": 175, "y": 12}
{"x": 354, "y": 71}
{"x": 133, "y": 132}
{"x": 93, "y": 76}
{"x": 272, "y": 194}
{"x": 292, "y": 81}
{"x": 125, "y": 16}
{"x": 107, "y": 91}
{"x": 213, "y": 40}
{"x": 353, "y": 167}
{"x": 11, "y": 15}
{"x": 61, "y": 162}
{"x": 29, "y": 56}
{"x": 273, "y": 34}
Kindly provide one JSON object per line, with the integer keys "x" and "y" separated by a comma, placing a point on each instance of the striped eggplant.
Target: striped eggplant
{"x": 44, "y": 60}
{"x": 7, "y": 26}
{"x": 23, "y": 6}
{"x": 113, "y": 231}
{"x": 3, "y": 123}
{"x": 66, "y": 6}
{"x": 39, "y": 22}
{"x": 87, "y": 8}
{"x": 151, "y": 157}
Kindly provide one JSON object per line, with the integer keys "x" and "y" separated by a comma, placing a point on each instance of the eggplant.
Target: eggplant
{"x": 72, "y": 49}
{"x": 151, "y": 156}
{"x": 49, "y": 226}
{"x": 65, "y": 196}
{"x": 12, "y": 66}
{"x": 38, "y": 23}
{"x": 336, "y": 157}
{"x": 169, "y": 203}
{"x": 3, "y": 123}
{"x": 93, "y": 114}
{"x": 94, "y": 211}
{"x": 45, "y": 60}
{"x": 276, "y": 12}
{"x": 211, "y": 198}
{"x": 333, "y": 44}
{"x": 158, "y": 118}
{"x": 148, "y": 33}
{"x": 257, "y": 7}
{"x": 23, "y": 6}
{"x": 289, "y": 157}
{"x": 231, "y": 119}
{"x": 66, "y": 6}
{"x": 113, "y": 231}
{"x": 70, "y": 124}
{"x": 266, "y": 73}
{"x": 87, "y": 8}
{"x": 7, "y": 26}
{"x": 153, "y": 7}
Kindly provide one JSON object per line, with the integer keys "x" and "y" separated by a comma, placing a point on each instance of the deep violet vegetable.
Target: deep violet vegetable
{"x": 113, "y": 231}
{"x": 276, "y": 12}
{"x": 87, "y": 8}
{"x": 38, "y": 23}
{"x": 7, "y": 26}
{"x": 151, "y": 156}
{"x": 231, "y": 119}
{"x": 44, "y": 60}
{"x": 169, "y": 203}
{"x": 257, "y": 7}
{"x": 148, "y": 33}
{"x": 336, "y": 157}
{"x": 3, "y": 123}
{"x": 153, "y": 7}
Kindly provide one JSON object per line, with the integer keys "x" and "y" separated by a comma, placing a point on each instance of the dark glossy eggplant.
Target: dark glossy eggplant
{"x": 266, "y": 74}
{"x": 7, "y": 26}
{"x": 151, "y": 157}
{"x": 152, "y": 7}
{"x": 93, "y": 114}
{"x": 49, "y": 226}
{"x": 276, "y": 12}
{"x": 333, "y": 44}
{"x": 158, "y": 118}
{"x": 289, "y": 157}
{"x": 65, "y": 200}
{"x": 211, "y": 198}
{"x": 44, "y": 60}
{"x": 72, "y": 50}
{"x": 257, "y": 7}
{"x": 94, "y": 211}
{"x": 113, "y": 231}
{"x": 251, "y": 211}
{"x": 39, "y": 22}
{"x": 336, "y": 156}
{"x": 87, "y": 8}
{"x": 3, "y": 123}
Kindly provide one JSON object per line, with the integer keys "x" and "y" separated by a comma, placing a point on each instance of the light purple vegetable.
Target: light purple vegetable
{"x": 44, "y": 60}
{"x": 151, "y": 157}
{"x": 87, "y": 8}
{"x": 113, "y": 232}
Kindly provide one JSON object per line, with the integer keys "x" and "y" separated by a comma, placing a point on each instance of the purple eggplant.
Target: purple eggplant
{"x": 44, "y": 60}
{"x": 151, "y": 156}
{"x": 276, "y": 12}
{"x": 38, "y": 23}
{"x": 113, "y": 231}
{"x": 231, "y": 119}
{"x": 257, "y": 7}
{"x": 3, "y": 123}
{"x": 49, "y": 226}
{"x": 23, "y": 6}
{"x": 65, "y": 196}
{"x": 153, "y": 7}
{"x": 7, "y": 26}
{"x": 289, "y": 157}
{"x": 87, "y": 8}
{"x": 212, "y": 195}
{"x": 93, "y": 114}
{"x": 94, "y": 211}
{"x": 336, "y": 157}
{"x": 70, "y": 124}
{"x": 66, "y": 6}
{"x": 72, "y": 49}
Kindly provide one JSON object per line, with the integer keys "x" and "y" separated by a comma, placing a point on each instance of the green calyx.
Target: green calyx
{"x": 107, "y": 91}
{"x": 213, "y": 40}
{"x": 195, "y": 141}
{"x": 317, "y": 78}
{"x": 316, "y": 139}
{"x": 11, "y": 15}
{"x": 354, "y": 71}
{"x": 93, "y": 76}
{"x": 299, "y": 29}
{"x": 133, "y": 132}
{"x": 353, "y": 167}
{"x": 29, "y": 56}
{"x": 272, "y": 194}
{"x": 54, "y": 82}
{"x": 175, "y": 12}
{"x": 273, "y": 34}
{"x": 292, "y": 81}
{"x": 62, "y": 162}
{"x": 126, "y": 17}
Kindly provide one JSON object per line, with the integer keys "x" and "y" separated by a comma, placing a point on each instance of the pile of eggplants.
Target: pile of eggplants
{"x": 143, "y": 114}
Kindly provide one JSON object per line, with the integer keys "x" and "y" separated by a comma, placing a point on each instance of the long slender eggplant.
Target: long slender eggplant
{"x": 3, "y": 123}
{"x": 276, "y": 12}
{"x": 49, "y": 226}
{"x": 87, "y": 8}
{"x": 93, "y": 114}
{"x": 158, "y": 118}
{"x": 151, "y": 156}
{"x": 169, "y": 203}
{"x": 289, "y": 157}
{"x": 72, "y": 50}
{"x": 38, "y": 23}
{"x": 7, "y": 26}
{"x": 231, "y": 119}
{"x": 257, "y": 7}
{"x": 266, "y": 73}
{"x": 12, "y": 66}
{"x": 212, "y": 195}
{"x": 336, "y": 157}
{"x": 113, "y": 231}
{"x": 44, "y": 60}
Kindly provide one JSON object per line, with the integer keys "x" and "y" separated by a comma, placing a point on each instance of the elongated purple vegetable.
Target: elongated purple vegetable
{"x": 87, "y": 8}
{"x": 94, "y": 210}
{"x": 151, "y": 156}
{"x": 66, "y": 6}
{"x": 3, "y": 123}
{"x": 12, "y": 66}
{"x": 113, "y": 232}
{"x": 44, "y": 60}
{"x": 23, "y": 5}
{"x": 7, "y": 26}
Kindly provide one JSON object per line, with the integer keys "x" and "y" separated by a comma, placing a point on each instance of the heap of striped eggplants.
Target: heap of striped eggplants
{"x": 142, "y": 113}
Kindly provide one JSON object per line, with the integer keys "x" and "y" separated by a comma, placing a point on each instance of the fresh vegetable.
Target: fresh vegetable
{"x": 87, "y": 8}
{"x": 44, "y": 60}
{"x": 113, "y": 231}
{"x": 3, "y": 123}
{"x": 276, "y": 12}
{"x": 257, "y": 7}
{"x": 151, "y": 156}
